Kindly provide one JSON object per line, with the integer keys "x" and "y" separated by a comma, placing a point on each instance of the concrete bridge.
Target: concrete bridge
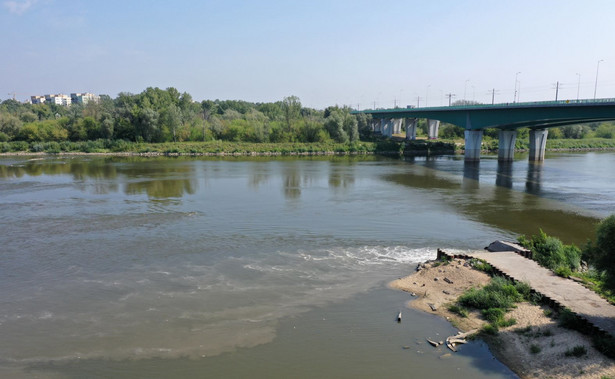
{"x": 508, "y": 117}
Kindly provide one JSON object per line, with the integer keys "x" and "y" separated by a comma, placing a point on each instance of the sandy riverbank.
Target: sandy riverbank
{"x": 513, "y": 344}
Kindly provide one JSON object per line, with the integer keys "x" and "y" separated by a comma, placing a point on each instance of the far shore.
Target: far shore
{"x": 299, "y": 152}
{"x": 514, "y": 344}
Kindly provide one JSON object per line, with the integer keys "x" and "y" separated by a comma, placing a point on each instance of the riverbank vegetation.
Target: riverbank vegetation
{"x": 598, "y": 273}
{"x": 157, "y": 116}
{"x": 167, "y": 121}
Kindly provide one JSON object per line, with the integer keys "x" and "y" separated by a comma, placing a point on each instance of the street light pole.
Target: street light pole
{"x": 578, "y": 85}
{"x": 596, "y": 85}
{"x": 515, "y": 97}
{"x": 465, "y": 88}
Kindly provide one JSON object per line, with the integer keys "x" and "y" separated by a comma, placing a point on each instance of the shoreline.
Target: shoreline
{"x": 271, "y": 153}
{"x": 516, "y": 345}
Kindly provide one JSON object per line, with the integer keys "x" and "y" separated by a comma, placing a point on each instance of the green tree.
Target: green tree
{"x": 601, "y": 252}
{"x": 147, "y": 126}
{"x": 171, "y": 119}
{"x": 291, "y": 107}
{"x": 10, "y": 125}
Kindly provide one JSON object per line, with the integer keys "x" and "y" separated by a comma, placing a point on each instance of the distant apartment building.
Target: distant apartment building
{"x": 37, "y": 99}
{"x": 84, "y": 98}
{"x": 61, "y": 99}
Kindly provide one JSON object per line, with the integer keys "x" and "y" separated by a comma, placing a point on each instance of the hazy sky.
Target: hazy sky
{"x": 357, "y": 53}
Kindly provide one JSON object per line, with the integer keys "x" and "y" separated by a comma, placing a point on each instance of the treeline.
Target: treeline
{"x": 157, "y": 115}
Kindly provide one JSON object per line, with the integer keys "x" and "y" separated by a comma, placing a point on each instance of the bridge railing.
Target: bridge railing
{"x": 501, "y": 105}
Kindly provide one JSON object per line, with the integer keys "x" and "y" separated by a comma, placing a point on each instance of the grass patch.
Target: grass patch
{"x": 459, "y": 310}
{"x": 481, "y": 265}
{"x": 597, "y": 282}
{"x": 577, "y": 351}
{"x": 490, "y": 330}
{"x": 500, "y": 293}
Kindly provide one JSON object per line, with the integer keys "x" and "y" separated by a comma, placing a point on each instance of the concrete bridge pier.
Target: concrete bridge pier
{"x": 473, "y": 140}
{"x": 375, "y": 124}
{"x": 385, "y": 127}
{"x": 506, "y": 146}
{"x": 411, "y": 128}
{"x": 397, "y": 123}
{"x": 433, "y": 125}
{"x": 538, "y": 143}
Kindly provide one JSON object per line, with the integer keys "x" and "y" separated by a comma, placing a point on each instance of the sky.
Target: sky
{"x": 359, "y": 53}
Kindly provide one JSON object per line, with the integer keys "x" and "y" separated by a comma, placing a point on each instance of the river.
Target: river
{"x": 259, "y": 267}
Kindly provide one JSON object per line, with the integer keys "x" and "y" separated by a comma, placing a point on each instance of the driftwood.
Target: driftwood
{"x": 448, "y": 280}
{"x": 460, "y": 338}
{"x": 433, "y": 343}
{"x": 433, "y": 307}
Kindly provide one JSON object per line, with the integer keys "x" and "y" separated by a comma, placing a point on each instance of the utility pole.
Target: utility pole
{"x": 418, "y": 101}
{"x": 556, "y": 90}
{"x": 493, "y": 96}
{"x": 450, "y": 96}
{"x": 515, "y": 97}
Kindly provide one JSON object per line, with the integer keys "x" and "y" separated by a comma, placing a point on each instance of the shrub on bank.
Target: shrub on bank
{"x": 550, "y": 252}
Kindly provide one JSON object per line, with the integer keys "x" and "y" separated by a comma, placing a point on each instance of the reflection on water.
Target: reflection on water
{"x": 534, "y": 178}
{"x": 504, "y": 176}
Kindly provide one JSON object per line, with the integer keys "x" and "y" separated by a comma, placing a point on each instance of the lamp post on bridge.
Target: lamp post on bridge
{"x": 596, "y": 85}
{"x": 578, "y": 85}
{"x": 515, "y": 97}
{"x": 465, "y": 88}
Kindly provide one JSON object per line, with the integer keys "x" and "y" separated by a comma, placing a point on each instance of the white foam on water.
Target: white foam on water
{"x": 233, "y": 303}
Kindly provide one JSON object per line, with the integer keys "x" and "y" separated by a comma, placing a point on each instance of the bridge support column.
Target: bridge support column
{"x": 538, "y": 143}
{"x": 411, "y": 128}
{"x": 375, "y": 124}
{"x": 473, "y": 139}
{"x": 434, "y": 125}
{"x": 506, "y": 146}
{"x": 397, "y": 125}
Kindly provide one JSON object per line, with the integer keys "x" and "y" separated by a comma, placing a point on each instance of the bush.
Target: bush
{"x": 500, "y": 293}
{"x": 563, "y": 271}
{"x": 535, "y": 349}
{"x": 550, "y": 252}
{"x": 490, "y": 329}
{"x": 602, "y": 252}
{"x": 494, "y": 315}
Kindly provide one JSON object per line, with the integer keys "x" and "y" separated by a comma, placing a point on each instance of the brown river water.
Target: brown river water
{"x": 258, "y": 267}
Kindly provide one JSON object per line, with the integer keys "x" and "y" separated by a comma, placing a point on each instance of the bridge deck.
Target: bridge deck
{"x": 564, "y": 292}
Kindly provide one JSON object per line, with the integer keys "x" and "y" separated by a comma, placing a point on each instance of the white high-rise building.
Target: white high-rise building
{"x": 59, "y": 99}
